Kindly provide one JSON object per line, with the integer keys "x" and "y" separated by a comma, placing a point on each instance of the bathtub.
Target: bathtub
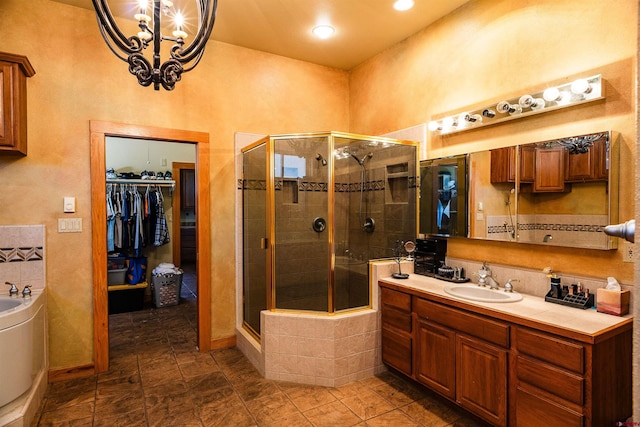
{"x": 23, "y": 357}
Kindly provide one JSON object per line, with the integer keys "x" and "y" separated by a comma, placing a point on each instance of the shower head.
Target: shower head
{"x": 362, "y": 160}
{"x": 323, "y": 161}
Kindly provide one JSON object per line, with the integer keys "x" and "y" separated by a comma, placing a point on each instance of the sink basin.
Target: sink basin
{"x": 476, "y": 293}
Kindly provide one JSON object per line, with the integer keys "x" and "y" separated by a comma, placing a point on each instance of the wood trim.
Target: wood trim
{"x": 223, "y": 342}
{"x": 82, "y": 371}
{"x": 99, "y": 130}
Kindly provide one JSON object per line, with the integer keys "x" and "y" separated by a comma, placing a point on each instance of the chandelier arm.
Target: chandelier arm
{"x": 195, "y": 49}
{"x": 110, "y": 31}
{"x": 110, "y": 44}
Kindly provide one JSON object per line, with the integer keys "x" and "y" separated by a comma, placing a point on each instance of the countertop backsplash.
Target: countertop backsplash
{"x": 22, "y": 255}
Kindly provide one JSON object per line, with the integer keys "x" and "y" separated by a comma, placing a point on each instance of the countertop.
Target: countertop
{"x": 585, "y": 325}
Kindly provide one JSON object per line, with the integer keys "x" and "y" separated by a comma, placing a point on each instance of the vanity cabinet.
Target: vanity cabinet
{"x": 463, "y": 357}
{"x": 507, "y": 369}
{"x": 14, "y": 70}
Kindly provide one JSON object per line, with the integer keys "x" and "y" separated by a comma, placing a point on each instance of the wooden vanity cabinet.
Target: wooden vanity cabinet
{"x": 14, "y": 70}
{"x": 561, "y": 382}
{"x": 505, "y": 370}
{"x": 464, "y": 357}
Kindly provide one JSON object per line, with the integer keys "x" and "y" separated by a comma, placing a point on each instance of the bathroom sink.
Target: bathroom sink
{"x": 477, "y": 293}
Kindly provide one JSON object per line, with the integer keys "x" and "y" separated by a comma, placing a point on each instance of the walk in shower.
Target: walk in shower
{"x": 316, "y": 208}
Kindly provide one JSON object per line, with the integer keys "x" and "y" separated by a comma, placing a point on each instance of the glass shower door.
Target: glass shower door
{"x": 302, "y": 225}
{"x": 254, "y": 222}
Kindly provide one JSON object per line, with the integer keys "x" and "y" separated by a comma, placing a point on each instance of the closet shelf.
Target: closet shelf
{"x": 157, "y": 182}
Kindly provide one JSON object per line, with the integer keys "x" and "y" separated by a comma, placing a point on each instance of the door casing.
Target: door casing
{"x": 99, "y": 131}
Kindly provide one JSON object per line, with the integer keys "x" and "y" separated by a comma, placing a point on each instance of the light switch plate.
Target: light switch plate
{"x": 69, "y": 225}
{"x": 628, "y": 252}
{"x": 69, "y": 205}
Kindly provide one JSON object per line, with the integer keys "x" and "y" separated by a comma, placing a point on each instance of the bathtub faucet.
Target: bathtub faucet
{"x": 26, "y": 292}
{"x": 13, "y": 290}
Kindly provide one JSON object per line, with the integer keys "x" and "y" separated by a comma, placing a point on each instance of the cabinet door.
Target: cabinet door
{"x": 481, "y": 379}
{"x": 396, "y": 350}
{"x": 527, "y": 163}
{"x": 550, "y": 166}
{"x": 581, "y": 166}
{"x": 187, "y": 188}
{"x": 435, "y": 357}
{"x": 503, "y": 165}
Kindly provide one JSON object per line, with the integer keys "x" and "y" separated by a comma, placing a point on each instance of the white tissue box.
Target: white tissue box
{"x": 612, "y": 302}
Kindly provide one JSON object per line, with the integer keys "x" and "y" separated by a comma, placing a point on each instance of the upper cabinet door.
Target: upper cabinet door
{"x": 14, "y": 70}
{"x": 549, "y": 174}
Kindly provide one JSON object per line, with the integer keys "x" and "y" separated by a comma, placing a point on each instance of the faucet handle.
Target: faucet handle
{"x": 508, "y": 287}
{"x": 26, "y": 292}
{"x": 13, "y": 290}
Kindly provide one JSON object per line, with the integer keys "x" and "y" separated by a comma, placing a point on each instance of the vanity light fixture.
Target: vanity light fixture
{"x": 152, "y": 17}
{"x": 323, "y": 31}
{"x": 549, "y": 99}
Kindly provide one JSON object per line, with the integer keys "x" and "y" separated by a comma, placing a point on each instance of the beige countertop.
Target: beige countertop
{"x": 586, "y": 325}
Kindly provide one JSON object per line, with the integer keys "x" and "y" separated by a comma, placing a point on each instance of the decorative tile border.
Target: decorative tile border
{"x": 21, "y": 254}
{"x": 378, "y": 185}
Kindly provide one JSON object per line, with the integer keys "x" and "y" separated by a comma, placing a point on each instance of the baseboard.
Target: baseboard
{"x": 71, "y": 373}
{"x": 223, "y": 343}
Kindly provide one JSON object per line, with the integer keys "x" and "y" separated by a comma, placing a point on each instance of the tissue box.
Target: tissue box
{"x": 612, "y": 302}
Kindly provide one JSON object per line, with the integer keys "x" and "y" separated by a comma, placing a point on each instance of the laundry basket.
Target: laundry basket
{"x": 166, "y": 288}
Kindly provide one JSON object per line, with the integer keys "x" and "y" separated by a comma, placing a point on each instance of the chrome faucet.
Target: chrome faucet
{"x": 492, "y": 282}
{"x": 26, "y": 292}
{"x": 483, "y": 274}
{"x": 13, "y": 290}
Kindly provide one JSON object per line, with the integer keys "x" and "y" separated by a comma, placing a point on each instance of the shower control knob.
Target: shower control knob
{"x": 319, "y": 225}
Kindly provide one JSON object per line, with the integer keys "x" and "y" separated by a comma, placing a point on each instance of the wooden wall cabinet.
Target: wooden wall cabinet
{"x": 518, "y": 374}
{"x": 14, "y": 70}
{"x": 589, "y": 166}
{"x": 503, "y": 164}
{"x": 187, "y": 189}
{"x": 550, "y": 166}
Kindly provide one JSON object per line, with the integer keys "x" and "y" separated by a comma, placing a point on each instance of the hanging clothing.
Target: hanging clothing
{"x": 162, "y": 231}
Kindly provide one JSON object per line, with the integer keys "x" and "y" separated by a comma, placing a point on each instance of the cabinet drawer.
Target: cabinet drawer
{"x": 471, "y": 324}
{"x": 556, "y": 381}
{"x": 396, "y": 351}
{"x": 551, "y": 349}
{"x": 396, "y": 319}
{"x": 396, "y": 299}
{"x": 533, "y": 411}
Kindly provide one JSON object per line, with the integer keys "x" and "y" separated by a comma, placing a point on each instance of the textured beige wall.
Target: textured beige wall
{"x": 488, "y": 50}
{"x": 78, "y": 79}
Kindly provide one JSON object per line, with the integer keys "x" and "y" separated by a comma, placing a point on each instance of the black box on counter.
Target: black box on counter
{"x": 429, "y": 255}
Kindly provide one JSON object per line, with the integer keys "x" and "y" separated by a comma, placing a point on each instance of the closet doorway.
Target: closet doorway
{"x": 99, "y": 132}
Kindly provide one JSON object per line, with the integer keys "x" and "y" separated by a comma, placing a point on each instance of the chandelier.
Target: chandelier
{"x": 131, "y": 49}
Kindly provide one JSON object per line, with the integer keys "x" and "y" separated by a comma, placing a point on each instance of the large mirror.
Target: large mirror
{"x": 560, "y": 192}
{"x": 443, "y": 196}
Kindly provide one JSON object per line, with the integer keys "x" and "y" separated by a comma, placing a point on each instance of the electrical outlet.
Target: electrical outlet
{"x": 629, "y": 252}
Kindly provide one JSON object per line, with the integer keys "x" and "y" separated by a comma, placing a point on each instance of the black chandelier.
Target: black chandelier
{"x": 131, "y": 49}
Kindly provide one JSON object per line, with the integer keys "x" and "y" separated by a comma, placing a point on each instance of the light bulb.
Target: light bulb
{"x": 434, "y": 126}
{"x": 551, "y": 94}
{"x": 323, "y": 31}
{"x": 505, "y": 107}
{"x": 473, "y": 118}
{"x": 403, "y": 5}
{"x": 538, "y": 104}
{"x": 489, "y": 113}
{"x": 525, "y": 101}
{"x": 450, "y": 122}
{"x": 580, "y": 87}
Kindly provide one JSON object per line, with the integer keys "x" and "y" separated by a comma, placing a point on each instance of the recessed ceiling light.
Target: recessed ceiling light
{"x": 403, "y": 4}
{"x": 323, "y": 31}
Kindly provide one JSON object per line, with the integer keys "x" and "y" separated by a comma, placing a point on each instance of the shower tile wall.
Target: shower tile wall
{"x": 22, "y": 259}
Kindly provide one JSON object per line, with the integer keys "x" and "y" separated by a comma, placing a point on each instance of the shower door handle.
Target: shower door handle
{"x": 263, "y": 243}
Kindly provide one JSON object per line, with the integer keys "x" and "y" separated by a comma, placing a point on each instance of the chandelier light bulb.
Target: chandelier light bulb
{"x": 323, "y": 31}
{"x": 143, "y": 5}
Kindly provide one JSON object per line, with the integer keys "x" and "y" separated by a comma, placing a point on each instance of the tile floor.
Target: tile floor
{"x": 157, "y": 378}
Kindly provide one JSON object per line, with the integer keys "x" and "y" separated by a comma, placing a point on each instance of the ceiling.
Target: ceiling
{"x": 283, "y": 27}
